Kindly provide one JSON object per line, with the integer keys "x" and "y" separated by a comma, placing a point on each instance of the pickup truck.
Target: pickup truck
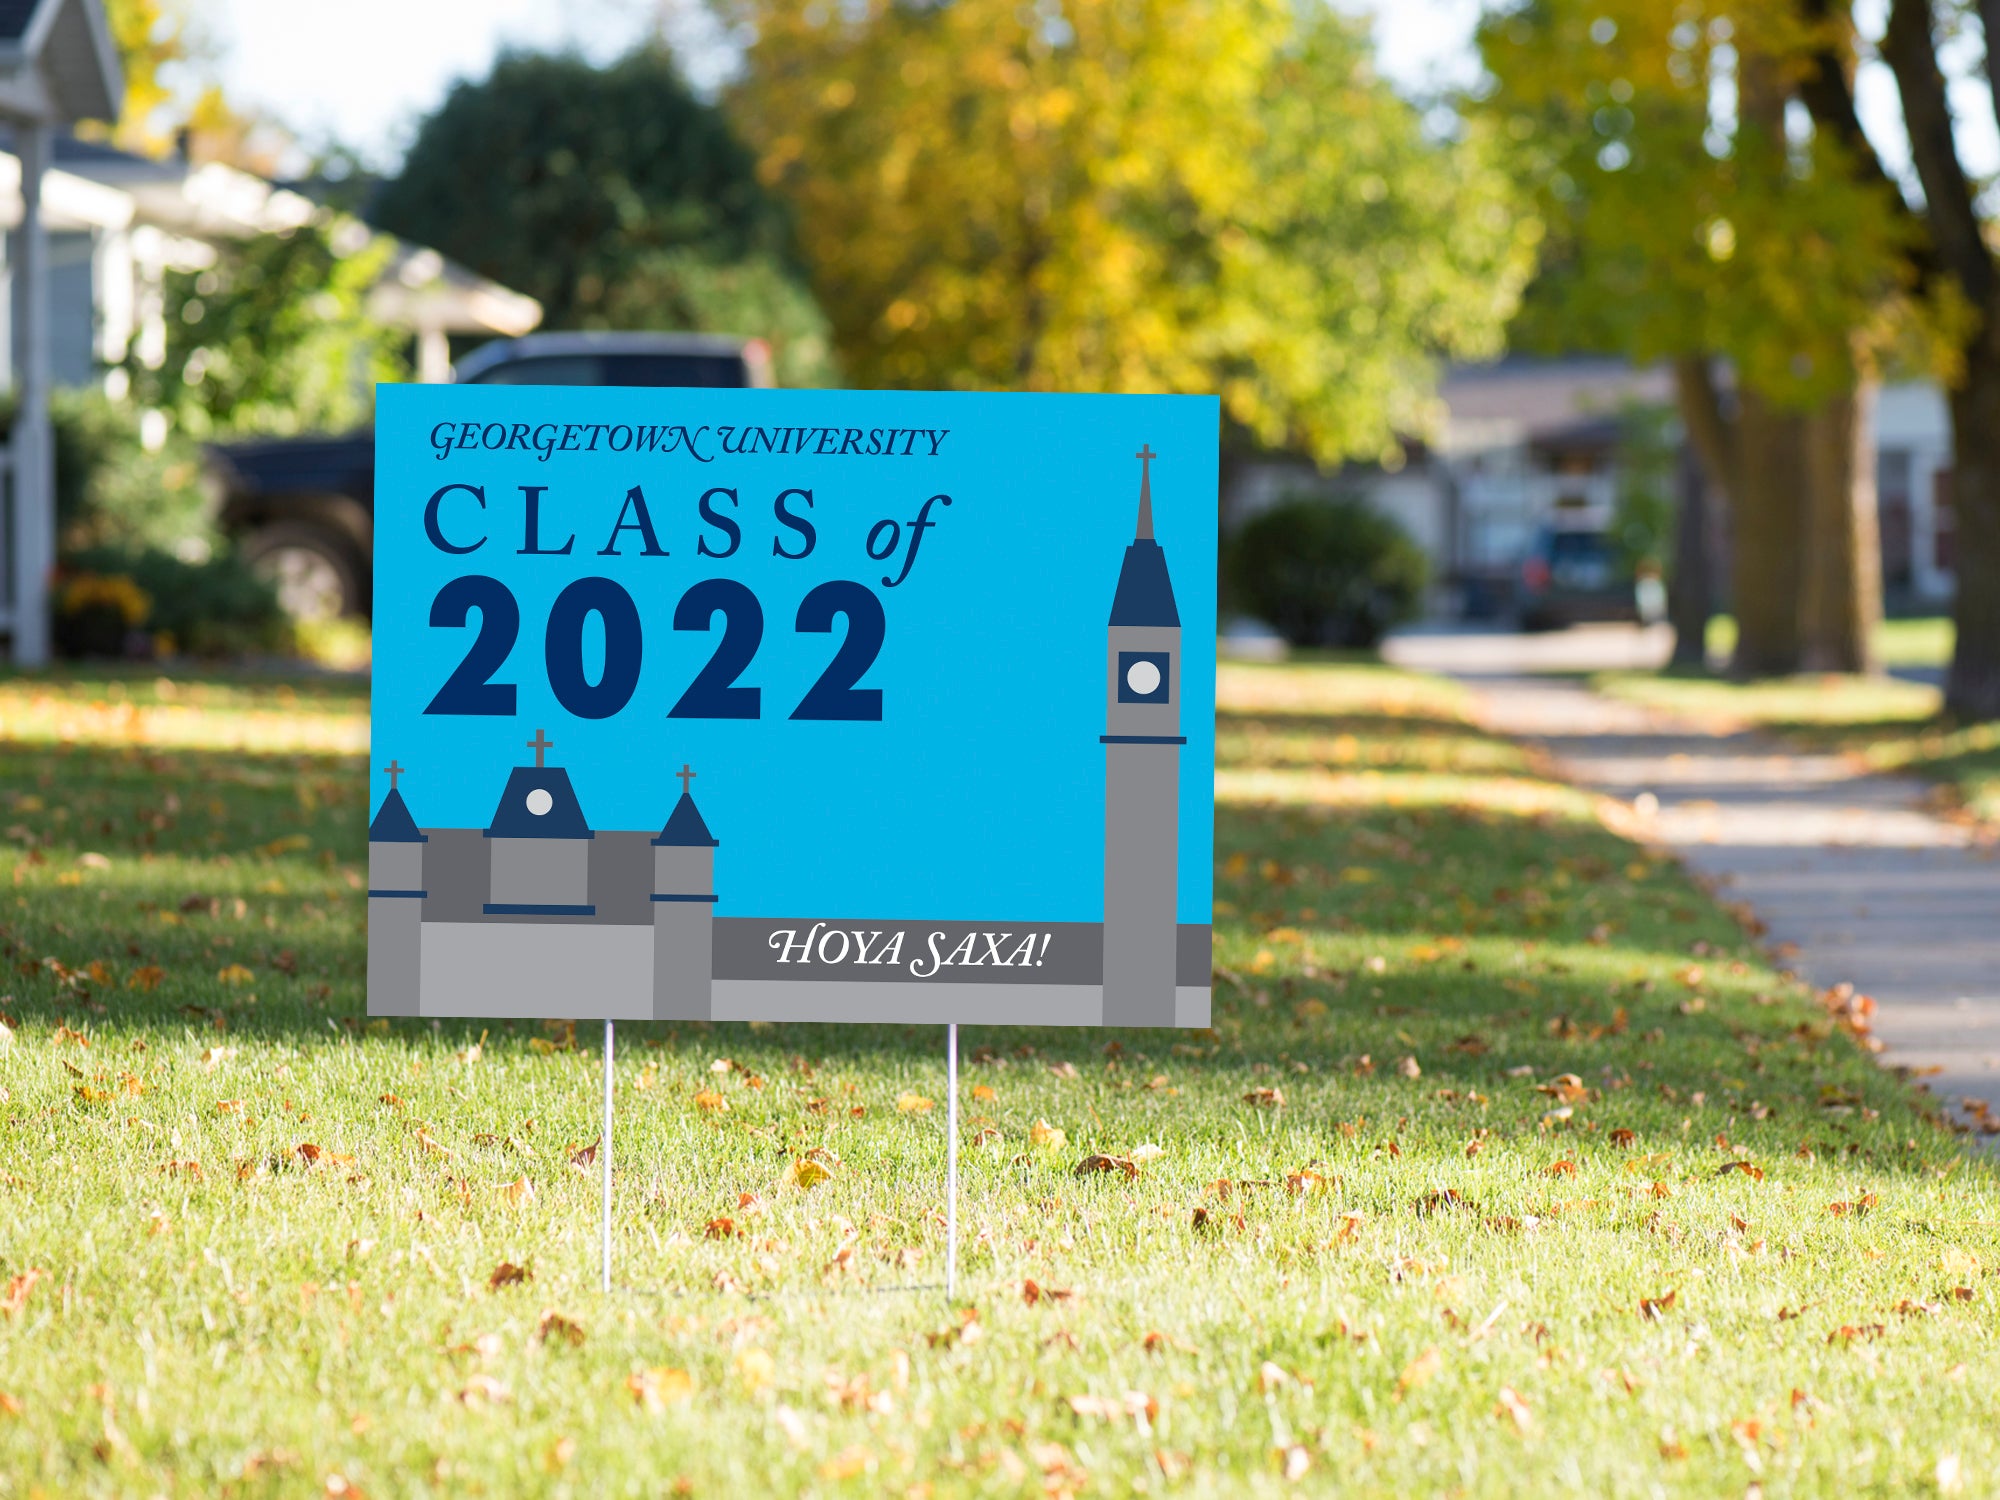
{"x": 303, "y": 509}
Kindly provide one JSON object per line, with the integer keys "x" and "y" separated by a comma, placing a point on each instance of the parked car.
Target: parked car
{"x": 303, "y": 509}
{"x": 1570, "y": 575}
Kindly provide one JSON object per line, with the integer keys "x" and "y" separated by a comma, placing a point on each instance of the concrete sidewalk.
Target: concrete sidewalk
{"x": 1855, "y": 879}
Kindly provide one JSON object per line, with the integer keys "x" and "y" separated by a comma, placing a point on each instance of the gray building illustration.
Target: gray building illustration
{"x": 1142, "y": 777}
{"x": 540, "y": 914}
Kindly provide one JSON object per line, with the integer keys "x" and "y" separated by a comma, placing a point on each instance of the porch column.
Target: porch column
{"x": 34, "y": 452}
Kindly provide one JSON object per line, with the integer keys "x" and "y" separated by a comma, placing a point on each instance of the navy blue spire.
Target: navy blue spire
{"x": 393, "y": 824}
{"x": 686, "y": 828}
{"x": 1145, "y": 594}
{"x": 539, "y": 803}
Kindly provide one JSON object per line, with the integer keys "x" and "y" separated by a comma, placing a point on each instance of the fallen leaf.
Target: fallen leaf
{"x": 1561, "y": 1169}
{"x": 712, "y": 1102}
{"x": 848, "y": 1462}
{"x": 1047, "y": 1136}
{"x": 1305, "y": 1182}
{"x": 1856, "y": 1207}
{"x": 1651, "y": 1308}
{"x": 1033, "y": 1293}
{"x": 1265, "y": 1098}
{"x": 983, "y": 1092}
{"x": 658, "y": 1388}
{"x": 1420, "y": 1369}
{"x": 1513, "y": 1405}
{"x": 508, "y": 1274}
{"x": 806, "y": 1173}
{"x": 145, "y": 977}
{"x": 1091, "y": 1164}
{"x": 1749, "y": 1169}
{"x": 1141, "y": 1408}
{"x": 1147, "y": 1152}
{"x": 517, "y": 1192}
{"x": 756, "y": 1369}
{"x": 484, "y": 1388}
{"x": 16, "y": 1296}
{"x": 912, "y": 1104}
{"x": 553, "y": 1326}
{"x": 1410, "y": 1068}
{"x": 235, "y": 974}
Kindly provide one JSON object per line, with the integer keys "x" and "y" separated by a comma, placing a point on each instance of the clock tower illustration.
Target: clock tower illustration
{"x": 1142, "y": 765}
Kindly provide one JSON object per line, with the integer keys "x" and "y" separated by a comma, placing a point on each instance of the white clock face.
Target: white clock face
{"x": 1143, "y": 678}
{"x": 539, "y": 802}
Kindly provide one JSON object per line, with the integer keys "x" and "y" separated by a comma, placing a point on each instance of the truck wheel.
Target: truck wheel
{"x": 315, "y": 572}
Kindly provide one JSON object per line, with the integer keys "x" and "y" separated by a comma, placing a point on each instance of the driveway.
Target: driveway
{"x": 1854, "y": 877}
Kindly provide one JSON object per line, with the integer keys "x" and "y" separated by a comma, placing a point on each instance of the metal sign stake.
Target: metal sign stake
{"x": 951, "y": 1162}
{"x": 604, "y": 1155}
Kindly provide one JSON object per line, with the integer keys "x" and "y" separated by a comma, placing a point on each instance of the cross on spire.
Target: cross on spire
{"x": 1145, "y": 455}
{"x": 540, "y": 744}
{"x": 686, "y": 774}
{"x": 392, "y": 771}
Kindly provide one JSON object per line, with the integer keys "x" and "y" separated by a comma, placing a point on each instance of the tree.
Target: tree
{"x": 1956, "y": 269}
{"x": 613, "y": 196}
{"x": 274, "y": 337}
{"x": 1698, "y": 234}
{"x": 1133, "y": 195}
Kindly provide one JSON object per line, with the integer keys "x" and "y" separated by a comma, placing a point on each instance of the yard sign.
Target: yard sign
{"x": 792, "y": 706}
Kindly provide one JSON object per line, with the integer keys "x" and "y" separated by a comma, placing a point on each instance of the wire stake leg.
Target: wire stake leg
{"x": 951, "y": 1162}
{"x": 604, "y": 1155}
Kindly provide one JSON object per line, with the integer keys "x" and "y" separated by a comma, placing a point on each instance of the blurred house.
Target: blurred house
{"x": 1533, "y": 443}
{"x": 114, "y": 224}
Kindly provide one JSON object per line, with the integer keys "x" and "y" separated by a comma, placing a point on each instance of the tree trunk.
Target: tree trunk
{"x": 1841, "y": 602}
{"x": 1691, "y": 598}
{"x": 1767, "y": 512}
{"x": 1972, "y": 689}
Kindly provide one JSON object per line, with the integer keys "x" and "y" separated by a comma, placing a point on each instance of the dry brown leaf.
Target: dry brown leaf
{"x": 553, "y": 1327}
{"x": 1420, "y": 1369}
{"x": 983, "y": 1093}
{"x": 804, "y": 1172}
{"x": 912, "y": 1104}
{"x": 1748, "y": 1168}
{"x": 1652, "y": 1308}
{"x": 18, "y": 1288}
{"x": 1092, "y": 1164}
{"x": 517, "y": 1192}
{"x": 1047, "y": 1136}
{"x": 712, "y": 1102}
{"x": 1514, "y": 1406}
{"x": 1034, "y": 1293}
{"x": 1265, "y": 1098}
{"x": 508, "y": 1274}
{"x": 658, "y": 1388}
{"x": 145, "y": 977}
{"x": 1561, "y": 1169}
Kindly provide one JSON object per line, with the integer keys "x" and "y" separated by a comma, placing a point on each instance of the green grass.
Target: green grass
{"x": 1466, "y": 1273}
{"x": 1922, "y": 642}
{"x": 1880, "y": 723}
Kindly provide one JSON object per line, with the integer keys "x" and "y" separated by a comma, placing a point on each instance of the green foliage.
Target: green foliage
{"x": 114, "y": 491}
{"x": 1326, "y": 572}
{"x": 1151, "y": 195}
{"x": 1677, "y": 227}
{"x": 275, "y": 337}
{"x": 615, "y": 197}
{"x": 1642, "y": 517}
{"x": 215, "y": 607}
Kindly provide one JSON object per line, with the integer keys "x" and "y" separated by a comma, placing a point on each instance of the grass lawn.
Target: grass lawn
{"x": 1921, "y": 642}
{"x": 1882, "y": 724}
{"x": 1509, "y": 1168}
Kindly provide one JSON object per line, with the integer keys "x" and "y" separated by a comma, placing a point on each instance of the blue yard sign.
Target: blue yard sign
{"x": 793, "y": 706}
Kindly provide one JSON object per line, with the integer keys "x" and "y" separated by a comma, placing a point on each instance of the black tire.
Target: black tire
{"x": 315, "y": 570}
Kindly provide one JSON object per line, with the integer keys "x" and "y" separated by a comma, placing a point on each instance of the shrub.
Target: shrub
{"x": 112, "y": 491}
{"x": 1326, "y": 572}
{"x": 213, "y": 608}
